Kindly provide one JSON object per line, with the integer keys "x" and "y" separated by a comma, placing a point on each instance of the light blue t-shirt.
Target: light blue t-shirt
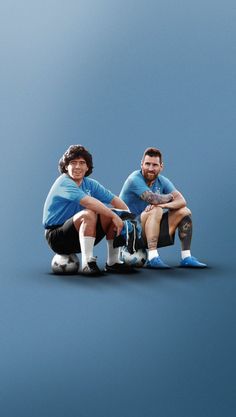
{"x": 63, "y": 200}
{"x": 135, "y": 186}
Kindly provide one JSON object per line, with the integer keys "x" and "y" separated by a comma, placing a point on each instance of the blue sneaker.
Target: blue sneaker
{"x": 156, "y": 263}
{"x": 191, "y": 262}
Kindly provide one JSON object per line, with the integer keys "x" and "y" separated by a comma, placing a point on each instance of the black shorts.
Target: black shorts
{"x": 64, "y": 239}
{"x": 164, "y": 237}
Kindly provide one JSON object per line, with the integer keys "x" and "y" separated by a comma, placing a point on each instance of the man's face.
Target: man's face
{"x": 77, "y": 169}
{"x": 151, "y": 167}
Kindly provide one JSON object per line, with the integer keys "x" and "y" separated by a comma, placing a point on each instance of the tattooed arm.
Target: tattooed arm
{"x": 177, "y": 202}
{"x": 156, "y": 199}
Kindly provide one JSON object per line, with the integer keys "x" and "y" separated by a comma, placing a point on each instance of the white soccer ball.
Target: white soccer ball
{"x": 65, "y": 264}
{"x": 137, "y": 259}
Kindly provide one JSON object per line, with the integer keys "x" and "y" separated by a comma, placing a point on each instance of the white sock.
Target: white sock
{"x": 152, "y": 253}
{"x": 185, "y": 253}
{"x": 86, "y": 245}
{"x": 113, "y": 254}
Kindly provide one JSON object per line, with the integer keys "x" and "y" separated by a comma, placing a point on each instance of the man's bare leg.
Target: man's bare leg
{"x": 151, "y": 227}
{"x": 182, "y": 219}
{"x": 113, "y": 254}
{"x": 151, "y": 221}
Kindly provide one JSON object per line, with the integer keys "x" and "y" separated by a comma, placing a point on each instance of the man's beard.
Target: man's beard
{"x": 150, "y": 176}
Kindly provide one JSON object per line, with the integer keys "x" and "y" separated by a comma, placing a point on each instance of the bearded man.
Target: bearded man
{"x": 162, "y": 209}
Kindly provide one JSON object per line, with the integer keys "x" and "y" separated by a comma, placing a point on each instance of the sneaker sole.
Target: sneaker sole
{"x": 192, "y": 267}
{"x": 157, "y": 267}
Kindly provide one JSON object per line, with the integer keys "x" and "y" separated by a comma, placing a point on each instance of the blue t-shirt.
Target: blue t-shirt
{"x": 63, "y": 200}
{"x": 134, "y": 187}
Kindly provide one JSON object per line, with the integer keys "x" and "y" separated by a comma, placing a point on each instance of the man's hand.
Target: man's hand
{"x": 118, "y": 223}
{"x": 149, "y": 207}
{"x": 165, "y": 198}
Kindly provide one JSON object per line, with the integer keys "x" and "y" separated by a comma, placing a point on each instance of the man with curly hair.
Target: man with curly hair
{"x": 162, "y": 209}
{"x": 76, "y": 216}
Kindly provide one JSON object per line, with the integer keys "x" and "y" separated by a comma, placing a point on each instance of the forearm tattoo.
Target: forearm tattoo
{"x": 185, "y": 232}
{"x": 154, "y": 198}
{"x": 152, "y": 243}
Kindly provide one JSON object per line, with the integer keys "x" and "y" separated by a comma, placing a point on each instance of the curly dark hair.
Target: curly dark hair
{"x": 73, "y": 152}
{"x": 152, "y": 152}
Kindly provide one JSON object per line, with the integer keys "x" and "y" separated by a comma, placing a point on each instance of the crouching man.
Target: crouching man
{"x": 76, "y": 216}
{"x": 162, "y": 209}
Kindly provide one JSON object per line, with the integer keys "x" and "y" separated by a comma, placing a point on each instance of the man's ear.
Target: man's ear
{"x": 162, "y": 166}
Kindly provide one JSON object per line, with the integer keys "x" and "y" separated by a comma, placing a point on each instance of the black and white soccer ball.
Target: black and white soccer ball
{"x": 137, "y": 259}
{"x": 65, "y": 264}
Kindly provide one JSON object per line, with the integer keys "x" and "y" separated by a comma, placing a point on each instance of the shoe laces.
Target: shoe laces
{"x": 93, "y": 259}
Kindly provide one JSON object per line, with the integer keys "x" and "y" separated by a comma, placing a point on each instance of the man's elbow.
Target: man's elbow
{"x": 119, "y": 204}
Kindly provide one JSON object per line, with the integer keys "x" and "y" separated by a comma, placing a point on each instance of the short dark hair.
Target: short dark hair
{"x": 73, "y": 152}
{"x": 152, "y": 152}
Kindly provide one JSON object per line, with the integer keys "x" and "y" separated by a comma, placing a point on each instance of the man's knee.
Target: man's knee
{"x": 85, "y": 216}
{"x": 183, "y": 212}
{"x": 156, "y": 212}
{"x": 176, "y": 216}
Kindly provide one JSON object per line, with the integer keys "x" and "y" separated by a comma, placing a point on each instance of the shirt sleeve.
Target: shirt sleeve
{"x": 137, "y": 185}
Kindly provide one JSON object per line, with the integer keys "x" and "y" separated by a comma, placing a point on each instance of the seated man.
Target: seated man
{"x": 147, "y": 193}
{"x": 76, "y": 216}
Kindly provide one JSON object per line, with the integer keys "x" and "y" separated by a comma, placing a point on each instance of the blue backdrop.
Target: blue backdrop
{"x": 118, "y": 76}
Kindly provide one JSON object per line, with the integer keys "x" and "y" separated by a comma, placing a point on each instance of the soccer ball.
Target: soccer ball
{"x": 137, "y": 259}
{"x": 65, "y": 264}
